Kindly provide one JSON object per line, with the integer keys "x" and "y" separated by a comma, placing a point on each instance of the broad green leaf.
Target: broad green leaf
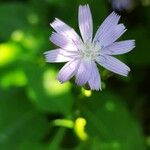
{"x": 140, "y": 55}
{"x": 46, "y": 92}
{"x": 56, "y": 141}
{"x": 32, "y": 146}
{"x": 19, "y": 121}
{"x": 109, "y": 124}
{"x": 12, "y": 17}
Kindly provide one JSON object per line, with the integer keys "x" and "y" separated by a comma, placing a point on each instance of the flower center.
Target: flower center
{"x": 89, "y": 51}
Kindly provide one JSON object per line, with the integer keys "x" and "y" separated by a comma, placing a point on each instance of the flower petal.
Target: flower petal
{"x": 68, "y": 71}
{"x": 95, "y": 80}
{"x": 110, "y": 22}
{"x": 119, "y": 47}
{"x": 62, "y": 28}
{"x": 63, "y": 42}
{"x": 113, "y": 64}
{"x": 85, "y": 23}
{"x": 114, "y": 33}
{"x": 84, "y": 72}
{"x": 58, "y": 55}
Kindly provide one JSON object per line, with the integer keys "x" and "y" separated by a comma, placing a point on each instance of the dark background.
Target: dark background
{"x": 37, "y": 113}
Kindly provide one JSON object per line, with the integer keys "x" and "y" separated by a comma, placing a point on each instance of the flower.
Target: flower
{"x": 122, "y": 4}
{"x": 83, "y": 55}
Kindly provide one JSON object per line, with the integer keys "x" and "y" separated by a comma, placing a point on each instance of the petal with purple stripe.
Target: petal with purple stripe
{"x": 84, "y": 72}
{"x": 58, "y": 55}
{"x": 113, "y": 65}
{"x": 108, "y": 38}
{"x": 68, "y": 71}
{"x": 85, "y": 23}
{"x": 118, "y": 48}
{"x": 63, "y": 42}
{"x": 62, "y": 28}
{"x": 95, "y": 80}
{"x": 110, "y": 22}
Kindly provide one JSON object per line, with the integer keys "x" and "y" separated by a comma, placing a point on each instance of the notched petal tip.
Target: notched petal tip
{"x": 85, "y": 5}
{"x": 51, "y": 23}
{"x": 126, "y": 75}
{"x": 96, "y": 89}
{"x": 60, "y": 81}
{"x": 121, "y": 25}
{"x": 127, "y": 72}
{"x": 46, "y": 53}
{"x": 52, "y": 35}
{"x": 54, "y": 22}
{"x": 116, "y": 14}
{"x": 133, "y": 42}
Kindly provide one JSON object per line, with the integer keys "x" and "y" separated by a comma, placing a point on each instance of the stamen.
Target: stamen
{"x": 89, "y": 51}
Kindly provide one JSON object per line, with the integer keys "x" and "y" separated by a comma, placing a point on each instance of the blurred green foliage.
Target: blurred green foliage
{"x": 39, "y": 113}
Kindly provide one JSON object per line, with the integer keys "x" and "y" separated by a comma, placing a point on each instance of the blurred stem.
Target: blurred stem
{"x": 54, "y": 144}
{"x": 64, "y": 123}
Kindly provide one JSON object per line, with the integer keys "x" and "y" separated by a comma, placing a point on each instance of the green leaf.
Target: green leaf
{"x": 12, "y": 16}
{"x": 140, "y": 55}
{"x": 46, "y": 92}
{"x": 109, "y": 124}
{"x": 56, "y": 141}
{"x": 19, "y": 121}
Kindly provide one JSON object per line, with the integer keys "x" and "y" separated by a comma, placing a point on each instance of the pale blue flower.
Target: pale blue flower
{"x": 83, "y": 54}
{"x": 122, "y": 4}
